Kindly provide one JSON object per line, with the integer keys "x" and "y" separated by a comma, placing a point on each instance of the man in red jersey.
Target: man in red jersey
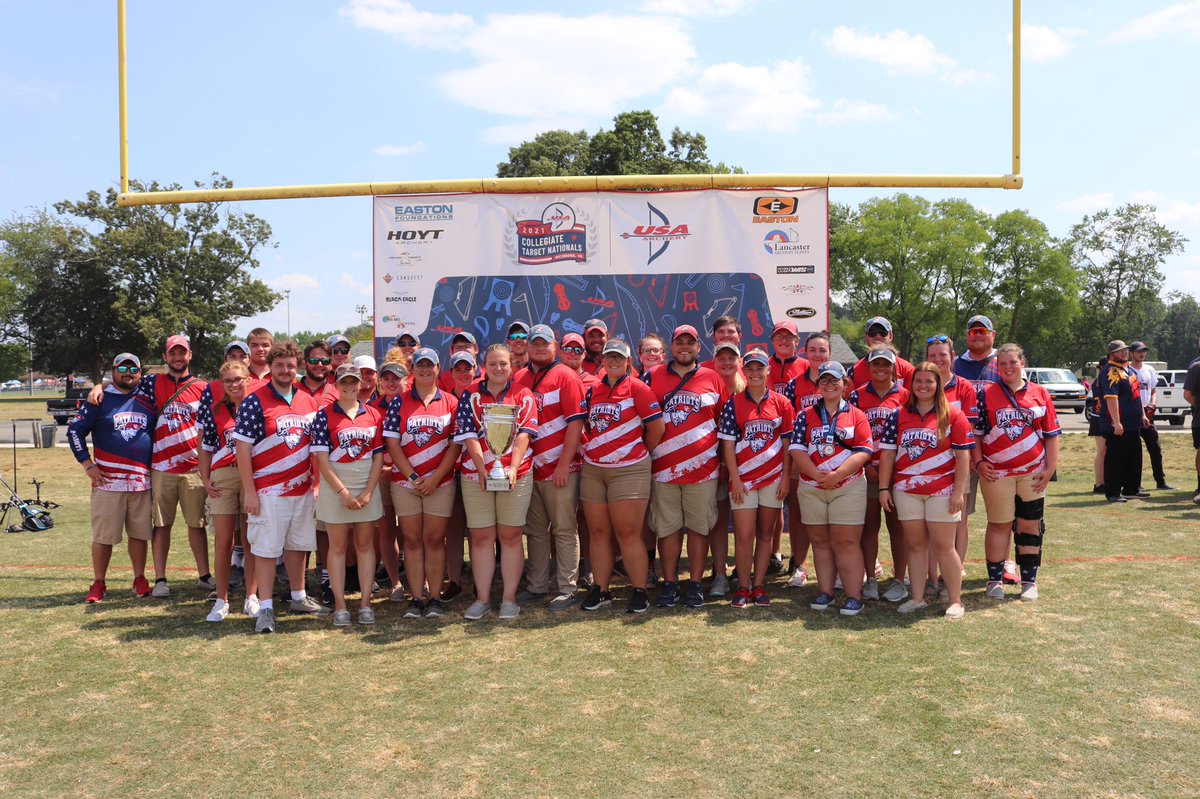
{"x": 558, "y": 392}
{"x": 879, "y": 334}
{"x": 785, "y": 362}
{"x": 684, "y": 471}
{"x": 595, "y": 336}
{"x": 259, "y": 342}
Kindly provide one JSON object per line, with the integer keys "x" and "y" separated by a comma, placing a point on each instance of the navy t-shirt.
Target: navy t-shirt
{"x": 1120, "y": 381}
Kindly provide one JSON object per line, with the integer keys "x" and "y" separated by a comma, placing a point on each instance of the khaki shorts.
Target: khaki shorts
{"x": 553, "y": 509}
{"x": 183, "y": 490}
{"x": 408, "y": 502}
{"x": 602, "y": 485}
{"x": 759, "y": 498}
{"x": 1000, "y": 497}
{"x": 489, "y": 508}
{"x": 115, "y": 511}
{"x": 282, "y": 523}
{"x": 232, "y": 500}
{"x": 972, "y": 493}
{"x": 683, "y": 506}
{"x": 845, "y": 506}
{"x": 918, "y": 507}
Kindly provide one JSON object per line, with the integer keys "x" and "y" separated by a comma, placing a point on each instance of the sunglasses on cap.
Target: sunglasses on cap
{"x": 937, "y": 340}
{"x": 128, "y": 370}
{"x": 322, "y": 361}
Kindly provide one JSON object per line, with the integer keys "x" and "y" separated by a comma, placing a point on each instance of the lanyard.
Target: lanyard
{"x": 831, "y": 425}
{"x": 682, "y": 382}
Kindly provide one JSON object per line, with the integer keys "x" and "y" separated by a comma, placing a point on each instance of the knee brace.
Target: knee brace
{"x": 1031, "y": 510}
{"x": 1031, "y": 541}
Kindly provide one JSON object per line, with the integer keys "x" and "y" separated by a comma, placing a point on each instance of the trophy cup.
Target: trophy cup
{"x": 499, "y": 430}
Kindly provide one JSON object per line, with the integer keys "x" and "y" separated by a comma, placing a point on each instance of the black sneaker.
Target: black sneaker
{"x": 693, "y": 596}
{"x": 1117, "y": 499}
{"x": 597, "y": 599}
{"x": 1164, "y": 487}
{"x": 776, "y": 565}
{"x": 326, "y": 594}
{"x": 1098, "y": 489}
{"x": 415, "y": 609}
{"x": 1139, "y": 495}
{"x": 639, "y": 603}
{"x": 451, "y": 590}
{"x": 651, "y": 578}
{"x": 668, "y": 597}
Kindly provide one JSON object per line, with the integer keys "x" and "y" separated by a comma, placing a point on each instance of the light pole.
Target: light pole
{"x": 287, "y": 295}
{"x": 361, "y": 310}
{"x": 29, "y": 336}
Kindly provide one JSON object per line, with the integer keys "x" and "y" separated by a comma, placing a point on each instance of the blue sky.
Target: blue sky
{"x": 373, "y": 90}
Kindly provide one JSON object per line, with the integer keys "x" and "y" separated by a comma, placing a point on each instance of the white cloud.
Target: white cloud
{"x": 293, "y": 282}
{"x": 899, "y": 52}
{"x": 31, "y": 91}
{"x": 749, "y": 97}
{"x": 854, "y": 111}
{"x": 1170, "y": 212}
{"x": 1180, "y": 19}
{"x": 518, "y": 132}
{"x": 696, "y": 8}
{"x": 392, "y": 150}
{"x": 1087, "y": 203}
{"x": 417, "y": 28}
{"x": 354, "y": 286}
{"x": 1040, "y": 44}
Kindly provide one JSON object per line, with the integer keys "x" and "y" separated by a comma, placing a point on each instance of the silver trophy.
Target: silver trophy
{"x": 499, "y": 430}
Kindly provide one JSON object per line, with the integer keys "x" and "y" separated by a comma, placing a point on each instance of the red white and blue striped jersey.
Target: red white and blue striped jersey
{"x": 122, "y": 431}
{"x": 925, "y": 465}
{"x": 877, "y": 409}
{"x": 783, "y": 371}
{"x": 347, "y": 440}
{"x": 616, "y": 418}
{"x": 850, "y": 434}
{"x": 558, "y": 392}
{"x": 860, "y": 373}
{"x": 1011, "y": 427}
{"x": 175, "y": 433}
{"x": 425, "y": 431}
{"x": 325, "y": 396}
{"x": 691, "y": 405}
{"x": 469, "y": 424}
{"x": 278, "y": 431}
{"x": 216, "y": 422}
{"x": 802, "y": 392}
{"x": 761, "y": 432}
{"x": 960, "y": 393}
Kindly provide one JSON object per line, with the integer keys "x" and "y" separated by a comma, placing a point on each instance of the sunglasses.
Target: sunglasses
{"x": 573, "y": 350}
{"x": 341, "y": 350}
{"x": 128, "y": 370}
{"x": 517, "y": 336}
{"x": 322, "y": 361}
{"x": 408, "y": 345}
{"x": 937, "y": 339}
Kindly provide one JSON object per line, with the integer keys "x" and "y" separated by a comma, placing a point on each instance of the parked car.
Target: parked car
{"x": 1170, "y": 402}
{"x": 14, "y": 385}
{"x": 1062, "y": 385}
{"x": 63, "y": 410}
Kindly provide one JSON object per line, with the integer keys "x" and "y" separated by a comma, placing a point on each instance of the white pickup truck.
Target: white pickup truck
{"x": 1170, "y": 402}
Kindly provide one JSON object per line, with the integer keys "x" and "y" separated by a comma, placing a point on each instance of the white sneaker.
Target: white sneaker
{"x": 896, "y": 592}
{"x": 477, "y": 611}
{"x": 251, "y": 606}
{"x": 1196, "y": 499}
{"x": 799, "y": 577}
{"x": 719, "y": 587}
{"x": 837, "y": 583}
{"x": 1029, "y": 592}
{"x": 161, "y": 590}
{"x": 995, "y": 590}
{"x": 955, "y": 612}
{"x": 871, "y": 589}
{"x": 912, "y": 606}
{"x": 509, "y": 610}
{"x": 219, "y": 611}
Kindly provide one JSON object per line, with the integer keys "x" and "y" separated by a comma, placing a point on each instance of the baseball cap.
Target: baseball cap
{"x": 727, "y": 345}
{"x": 365, "y": 362}
{"x": 178, "y": 341}
{"x": 347, "y": 370}
{"x": 786, "y": 325}
{"x": 426, "y": 354}
{"x": 462, "y": 357}
{"x": 468, "y": 337}
{"x": 756, "y": 356}
{"x": 416, "y": 339}
{"x": 879, "y": 321}
{"x": 1116, "y": 345}
{"x": 616, "y": 347}
{"x": 127, "y": 357}
{"x": 1138, "y": 346}
{"x": 240, "y": 345}
{"x": 391, "y": 367}
{"x": 543, "y": 332}
{"x": 518, "y": 325}
{"x": 881, "y": 354}
{"x": 685, "y": 329}
{"x": 572, "y": 338}
{"x": 980, "y": 321}
{"x": 595, "y": 324}
{"x": 831, "y": 368}
{"x": 333, "y": 341}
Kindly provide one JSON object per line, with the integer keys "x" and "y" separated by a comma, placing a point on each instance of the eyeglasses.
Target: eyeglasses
{"x": 408, "y": 345}
{"x": 573, "y": 350}
{"x": 517, "y": 336}
{"x": 937, "y": 340}
{"x": 129, "y": 370}
{"x": 652, "y": 351}
{"x": 827, "y": 379}
{"x": 233, "y": 381}
{"x": 322, "y": 361}
{"x": 341, "y": 350}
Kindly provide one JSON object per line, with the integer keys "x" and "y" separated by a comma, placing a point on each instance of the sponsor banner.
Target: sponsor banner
{"x": 643, "y": 262}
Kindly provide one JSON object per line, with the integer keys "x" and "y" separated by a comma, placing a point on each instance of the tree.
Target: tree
{"x": 1178, "y": 334}
{"x": 1119, "y": 255}
{"x": 634, "y": 146}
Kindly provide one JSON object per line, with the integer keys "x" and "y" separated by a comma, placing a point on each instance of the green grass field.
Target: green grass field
{"x": 1093, "y": 691}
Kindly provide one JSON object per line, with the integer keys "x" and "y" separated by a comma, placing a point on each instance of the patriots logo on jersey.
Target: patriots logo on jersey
{"x": 878, "y": 418}
{"x": 177, "y": 415}
{"x": 809, "y": 401}
{"x": 758, "y": 435}
{"x": 1012, "y": 422}
{"x": 354, "y": 441}
{"x": 422, "y": 429}
{"x": 681, "y": 406}
{"x": 292, "y": 430}
{"x": 916, "y": 443}
{"x": 537, "y": 397}
{"x": 604, "y": 415}
{"x": 129, "y": 424}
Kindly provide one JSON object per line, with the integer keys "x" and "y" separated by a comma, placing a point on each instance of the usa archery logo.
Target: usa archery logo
{"x": 916, "y": 443}
{"x": 759, "y": 435}
{"x": 292, "y": 430}
{"x": 129, "y": 424}
{"x": 604, "y": 415}
{"x": 658, "y": 233}
{"x": 422, "y": 429}
{"x": 681, "y": 406}
{"x": 354, "y": 441}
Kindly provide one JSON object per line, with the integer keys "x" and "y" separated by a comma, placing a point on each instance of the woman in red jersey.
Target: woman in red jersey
{"x": 727, "y": 362}
{"x": 923, "y": 476}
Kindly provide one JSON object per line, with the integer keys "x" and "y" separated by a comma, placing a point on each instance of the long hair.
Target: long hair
{"x": 940, "y": 406}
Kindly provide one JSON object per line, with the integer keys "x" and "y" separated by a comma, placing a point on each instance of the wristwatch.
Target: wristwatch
{"x": 414, "y": 477}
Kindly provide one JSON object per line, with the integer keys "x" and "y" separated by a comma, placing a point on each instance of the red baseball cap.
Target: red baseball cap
{"x": 178, "y": 341}
{"x": 685, "y": 329}
{"x": 788, "y": 325}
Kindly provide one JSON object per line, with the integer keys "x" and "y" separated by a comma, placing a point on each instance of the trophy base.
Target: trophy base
{"x": 498, "y": 484}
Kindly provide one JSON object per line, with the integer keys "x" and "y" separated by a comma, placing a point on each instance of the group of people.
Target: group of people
{"x": 602, "y": 462}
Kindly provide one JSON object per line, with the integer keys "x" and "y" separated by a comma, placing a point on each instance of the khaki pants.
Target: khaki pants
{"x": 552, "y": 516}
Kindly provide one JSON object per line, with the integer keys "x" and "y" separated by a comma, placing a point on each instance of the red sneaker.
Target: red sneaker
{"x": 95, "y": 593}
{"x": 141, "y": 587}
{"x": 1011, "y": 576}
{"x": 741, "y": 598}
{"x": 759, "y": 595}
